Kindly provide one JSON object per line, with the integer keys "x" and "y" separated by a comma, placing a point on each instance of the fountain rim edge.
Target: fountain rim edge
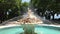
{"x": 34, "y": 24}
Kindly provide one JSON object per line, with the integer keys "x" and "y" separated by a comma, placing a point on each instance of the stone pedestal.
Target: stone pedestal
{"x": 28, "y": 29}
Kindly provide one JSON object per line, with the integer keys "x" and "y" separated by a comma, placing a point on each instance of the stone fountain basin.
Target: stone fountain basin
{"x": 39, "y": 29}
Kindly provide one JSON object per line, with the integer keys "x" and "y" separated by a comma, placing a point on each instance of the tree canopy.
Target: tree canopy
{"x": 9, "y": 9}
{"x": 47, "y": 5}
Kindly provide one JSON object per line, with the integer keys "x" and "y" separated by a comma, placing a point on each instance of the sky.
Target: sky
{"x": 25, "y": 0}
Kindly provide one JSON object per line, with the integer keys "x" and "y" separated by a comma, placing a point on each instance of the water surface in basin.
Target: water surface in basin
{"x": 38, "y": 30}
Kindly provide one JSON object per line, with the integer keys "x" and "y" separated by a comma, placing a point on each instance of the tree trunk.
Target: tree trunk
{"x": 49, "y": 16}
{"x": 53, "y": 16}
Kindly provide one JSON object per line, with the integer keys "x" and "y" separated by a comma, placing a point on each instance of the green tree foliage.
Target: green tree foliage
{"x": 49, "y": 5}
{"x": 25, "y": 4}
{"x": 12, "y": 7}
{"x": 18, "y": 3}
{"x": 24, "y": 7}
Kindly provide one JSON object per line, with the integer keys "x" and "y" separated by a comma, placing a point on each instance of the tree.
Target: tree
{"x": 24, "y": 7}
{"x": 13, "y": 5}
{"x": 18, "y": 3}
{"x": 47, "y": 5}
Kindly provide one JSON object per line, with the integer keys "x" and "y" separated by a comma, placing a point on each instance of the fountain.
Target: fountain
{"x": 27, "y": 25}
{"x": 28, "y": 29}
{"x": 30, "y": 18}
{"x": 31, "y": 25}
